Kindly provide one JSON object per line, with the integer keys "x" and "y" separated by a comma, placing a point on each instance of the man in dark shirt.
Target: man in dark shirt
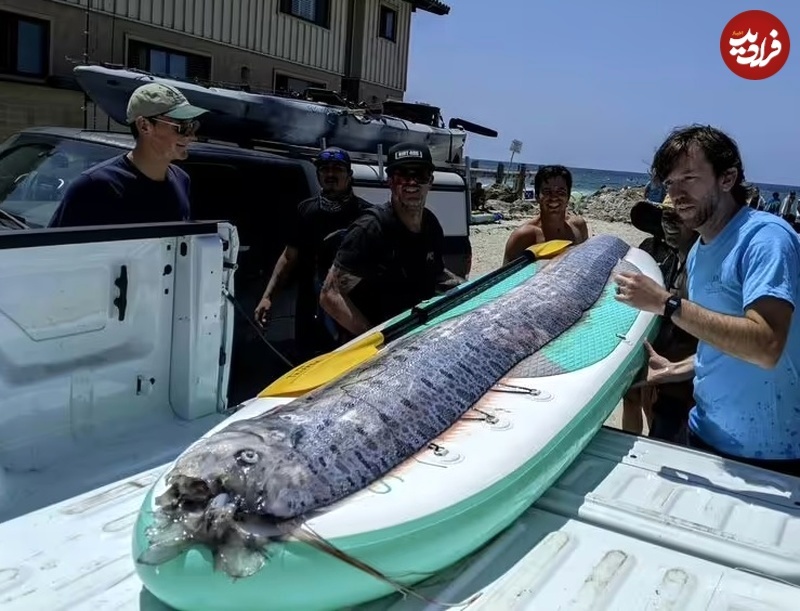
{"x": 311, "y": 244}
{"x": 391, "y": 258}
{"x": 142, "y": 186}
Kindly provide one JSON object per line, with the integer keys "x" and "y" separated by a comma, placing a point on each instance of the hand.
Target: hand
{"x": 659, "y": 369}
{"x": 262, "y": 311}
{"x": 641, "y": 292}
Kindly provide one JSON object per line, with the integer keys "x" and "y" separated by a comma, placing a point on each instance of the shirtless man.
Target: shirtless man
{"x": 552, "y": 186}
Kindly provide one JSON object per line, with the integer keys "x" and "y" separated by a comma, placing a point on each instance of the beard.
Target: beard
{"x": 696, "y": 214}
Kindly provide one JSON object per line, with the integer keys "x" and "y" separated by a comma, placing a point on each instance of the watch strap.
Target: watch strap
{"x": 672, "y": 305}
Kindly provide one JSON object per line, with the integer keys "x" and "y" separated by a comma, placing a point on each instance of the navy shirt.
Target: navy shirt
{"x": 115, "y": 192}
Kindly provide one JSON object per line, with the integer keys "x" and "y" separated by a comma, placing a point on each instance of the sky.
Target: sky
{"x": 600, "y": 84}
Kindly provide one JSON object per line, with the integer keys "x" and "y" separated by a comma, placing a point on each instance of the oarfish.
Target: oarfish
{"x": 232, "y": 490}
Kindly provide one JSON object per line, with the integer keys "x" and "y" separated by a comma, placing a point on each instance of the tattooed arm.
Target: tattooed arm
{"x": 335, "y": 300}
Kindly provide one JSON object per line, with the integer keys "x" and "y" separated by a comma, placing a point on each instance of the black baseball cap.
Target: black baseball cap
{"x": 409, "y": 154}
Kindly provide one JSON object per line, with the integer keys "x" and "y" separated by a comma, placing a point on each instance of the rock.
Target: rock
{"x": 501, "y": 193}
{"x": 512, "y": 209}
{"x": 607, "y": 204}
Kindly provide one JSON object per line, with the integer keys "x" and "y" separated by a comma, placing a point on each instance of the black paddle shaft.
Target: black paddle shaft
{"x": 419, "y": 315}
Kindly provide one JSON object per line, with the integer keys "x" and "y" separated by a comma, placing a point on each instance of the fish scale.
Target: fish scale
{"x": 342, "y": 437}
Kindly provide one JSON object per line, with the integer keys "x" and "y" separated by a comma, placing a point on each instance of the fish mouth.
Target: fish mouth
{"x": 188, "y": 493}
{"x": 193, "y": 512}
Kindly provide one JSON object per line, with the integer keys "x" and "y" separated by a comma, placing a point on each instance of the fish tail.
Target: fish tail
{"x": 313, "y": 539}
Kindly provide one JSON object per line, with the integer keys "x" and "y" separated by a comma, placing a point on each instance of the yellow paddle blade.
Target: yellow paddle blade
{"x": 550, "y": 248}
{"x": 324, "y": 368}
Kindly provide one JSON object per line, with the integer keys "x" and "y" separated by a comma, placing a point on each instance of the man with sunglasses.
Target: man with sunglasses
{"x": 391, "y": 258}
{"x": 143, "y": 185}
{"x": 311, "y": 244}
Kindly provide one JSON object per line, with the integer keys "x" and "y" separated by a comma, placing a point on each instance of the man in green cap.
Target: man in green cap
{"x": 142, "y": 186}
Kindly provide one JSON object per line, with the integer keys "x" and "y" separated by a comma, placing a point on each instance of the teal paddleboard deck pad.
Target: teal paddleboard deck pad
{"x": 414, "y": 460}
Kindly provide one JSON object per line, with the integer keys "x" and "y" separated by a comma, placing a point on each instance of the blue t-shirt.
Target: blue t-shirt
{"x": 742, "y": 409}
{"x": 115, "y": 192}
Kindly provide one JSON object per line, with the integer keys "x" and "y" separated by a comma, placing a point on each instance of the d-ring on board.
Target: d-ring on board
{"x": 536, "y": 394}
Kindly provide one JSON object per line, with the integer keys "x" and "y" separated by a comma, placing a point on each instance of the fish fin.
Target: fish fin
{"x": 159, "y": 553}
{"x": 237, "y": 560}
{"x": 314, "y": 540}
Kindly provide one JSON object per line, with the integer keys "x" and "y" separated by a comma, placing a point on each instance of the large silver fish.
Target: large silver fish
{"x": 233, "y": 490}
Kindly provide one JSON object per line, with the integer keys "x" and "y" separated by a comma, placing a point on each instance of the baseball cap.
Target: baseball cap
{"x": 156, "y": 99}
{"x": 332, "y": 155}
{"x": 409, "y": 154}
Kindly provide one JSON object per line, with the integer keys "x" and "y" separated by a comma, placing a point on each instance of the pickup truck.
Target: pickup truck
{"x": 253, "y": 189}
{"x": 113, "y": 344}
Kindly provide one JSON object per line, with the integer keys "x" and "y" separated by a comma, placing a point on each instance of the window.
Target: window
{"x": 168, "y": 62}
{"x": 315, "y": 11}
{"x": 290, "y": 84}
{"x": 387, "y": 23}
{"x": 24, "y": 45}
{"x": 35, "y": 174}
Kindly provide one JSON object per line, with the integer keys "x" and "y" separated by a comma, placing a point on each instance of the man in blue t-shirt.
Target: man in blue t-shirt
{"x": 142, "y": 186}
{"x": 744, "y": 286}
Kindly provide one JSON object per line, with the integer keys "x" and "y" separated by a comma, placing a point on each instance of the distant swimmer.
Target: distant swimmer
{"x": 552, "y": 188}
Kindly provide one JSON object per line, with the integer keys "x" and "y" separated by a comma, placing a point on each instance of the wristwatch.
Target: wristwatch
{"x": 672, "y": 305}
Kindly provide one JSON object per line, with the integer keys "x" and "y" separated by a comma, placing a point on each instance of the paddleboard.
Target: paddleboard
{"x": 454, "y": 496}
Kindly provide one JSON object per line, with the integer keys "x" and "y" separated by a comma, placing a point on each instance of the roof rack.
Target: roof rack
{"x": 307, "y": 152}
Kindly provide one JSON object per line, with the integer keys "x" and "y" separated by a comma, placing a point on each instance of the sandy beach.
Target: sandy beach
{"x": 488, "y": 242}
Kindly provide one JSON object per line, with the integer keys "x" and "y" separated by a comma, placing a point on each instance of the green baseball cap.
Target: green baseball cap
{"x": 156, "y": 99}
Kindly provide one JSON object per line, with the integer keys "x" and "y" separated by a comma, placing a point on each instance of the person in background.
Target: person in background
{"x": 773, "y": 206}
{"x": 143, "y": 185}
{"x": 552, "y": 187}
{"x": 654, "y": 192}
{"x": 666, "y": 406}
{"x": 744, "y": 286}
{"x": 647, "y": 216}
{"x": 755, "y": 199}
{"x": 478, "y": 197}
{"x": 788, "y": 211}
{"x": 311, "y": 244}
{"x": 391, "y": 257}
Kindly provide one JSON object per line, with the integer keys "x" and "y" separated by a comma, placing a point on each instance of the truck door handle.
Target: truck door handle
{"x": 121, "y": 282}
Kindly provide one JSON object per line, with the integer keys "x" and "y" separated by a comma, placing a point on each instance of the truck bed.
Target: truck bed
{"x": 633, "y": 524}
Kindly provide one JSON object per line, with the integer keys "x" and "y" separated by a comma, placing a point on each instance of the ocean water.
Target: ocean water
{"x": 588, "y": 180}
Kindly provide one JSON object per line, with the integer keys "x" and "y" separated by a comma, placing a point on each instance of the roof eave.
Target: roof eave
{"x": 431, "y": 6}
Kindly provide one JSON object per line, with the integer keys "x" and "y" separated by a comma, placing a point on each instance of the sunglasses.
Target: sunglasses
{"x": 332, "y": 156}
{"x": 183, "y": 128}
{"x": 421, "y": 175}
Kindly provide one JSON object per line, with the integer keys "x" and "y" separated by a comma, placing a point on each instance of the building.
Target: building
{"x": 357, "y": 47}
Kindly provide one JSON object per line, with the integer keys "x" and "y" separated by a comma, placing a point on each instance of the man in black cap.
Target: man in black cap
{"x": 391, "y": 258}
{"x": 311, "y": 244}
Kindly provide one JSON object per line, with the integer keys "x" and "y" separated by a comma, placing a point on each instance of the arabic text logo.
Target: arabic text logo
{"x": 754, "y": 45}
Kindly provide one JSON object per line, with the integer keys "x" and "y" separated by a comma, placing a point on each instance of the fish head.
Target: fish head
{"x": 240, "y": 461}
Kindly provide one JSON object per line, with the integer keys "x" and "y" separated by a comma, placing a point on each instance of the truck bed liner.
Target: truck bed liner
{"x": 634, "y": 524}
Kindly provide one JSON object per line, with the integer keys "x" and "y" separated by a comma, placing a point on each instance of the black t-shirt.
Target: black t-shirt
{"x": 116, "y": 192}
{"x": 398, "y": 268}
{"x": 313, "y": 231}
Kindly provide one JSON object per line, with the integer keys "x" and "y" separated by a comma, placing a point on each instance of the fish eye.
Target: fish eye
{"x": 247, "y": 457}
